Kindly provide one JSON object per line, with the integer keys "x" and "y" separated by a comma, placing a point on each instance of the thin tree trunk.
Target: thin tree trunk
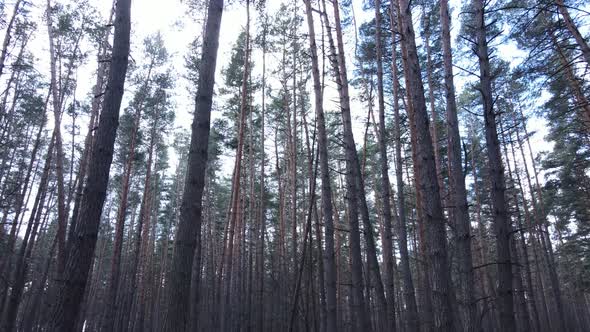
{"x": 299, "y": 271}
{"x": 18, "y": 280}
{"x": 530, "y": 292}
{"x": 8, "y": 35}
{"x": 32, "y": 315}
{"x": 143, "y": 268}
{"x": 487, "y": 283}
{"x": 262, "y": 205}
{"x": 293, "y": 147}
{"x": 431, "y": 100}
{"x": 574, "y": 83}
{"x": 15, "y": 228}
{"x": 57, "y": 93}
{"x": 525, "y": 320}
{"x": 408, "y": 289}
{"x": 136, "y": 238}
{"x": 539, "y": 191}
{"x": 533, "y": 240}
{"x": 356, "y": 178}
{"x": 359, "y": 306}
{"x": 235, "y": 218}
{"x": 573, "y": 29}
{"x": 457, "y": 179}
{"x": 388, "y": 259}
{"x": 326, "y": 190}
{"x": 543, "y": 233}
{"x": 113, "y": 283}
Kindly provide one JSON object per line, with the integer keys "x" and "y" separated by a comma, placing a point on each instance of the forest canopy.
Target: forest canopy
{"x": 295, "y": 165}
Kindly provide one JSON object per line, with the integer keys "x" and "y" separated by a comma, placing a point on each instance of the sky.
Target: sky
{"x": 178, "y": 29}
{"x": 149, "y": 16}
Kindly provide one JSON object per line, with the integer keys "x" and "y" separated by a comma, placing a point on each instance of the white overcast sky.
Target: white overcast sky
{"x": 150, "y": 16}
{"x": 178, "y": 29}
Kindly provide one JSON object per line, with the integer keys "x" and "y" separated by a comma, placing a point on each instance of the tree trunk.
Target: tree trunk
{"x": 539, "y": 191}
{"x": 544, "y": 234}
{"x": 236, "y": 214}
{"x": 524, "y": 321}
{"x": 428, "y": 190}
{"x": 21, "y": 203}
{"x": 188, "y": 236}
{"x": 97, "y": 92}
{"x": 356, "y": 196}
{"x": 143, "y": 264}
{"x": 260, "y": 273}
{"x": 574, "y": 83}
{"x": 73, "y": 283}
{"x": 32, "y": 315}
{"x": 57, "y": 94}
{"x": 355, "y": 177}
{"x": 408, "y": 289}
{"x": 496, "y": 176}
{"x": 113, "y": 284}
{"x": 293, "y": 149}
{"x": 517, "y": 181}
{"x": 388, "y": 259}
{"x": 8, "y": 35}
{"x": 534, "y": 241}
{"x": 21, "y": 265}
{"x": 326, "y": 190}
{"x": 431, "y": 100}
{"x": 486, "y": 279}
{"x": 457, "y": 179}
{"x": 571, "y": 27}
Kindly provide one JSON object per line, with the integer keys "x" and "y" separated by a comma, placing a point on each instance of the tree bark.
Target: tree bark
{"x": 21, "y": 203}
{"x": 457, "y": 178}
{"x": 97, "y": 91}
{"x": 496, "y": 176}
{"x": 533, "y": 233}
{"x": 236, "y": 209}
{"x": 539, "y": 191}
{"x": 431, "y": 99}
{"x": 523, "y": 246}
{"x": 356, "y": 197}
{"x": 408, "y": 289}
{"x": 188, "y": 236}
{"x": 524, "y": 321}
{"x": 113, "y": 283}
{"x": 573, "y": 82}
{"x": 485, "y": 278}
{"x": 359, "y": 310}
{"x": 293, "y": 147}
{"x": 356, "y": 188}
{"x": 262, "y": 197}
{"x": 57, "y": 94}
{"x": 427, "y": 182}
{"x": 8, "y": 35}
{"x": 326, "y": 189}
{"x": 573, "y": 29}
{"x": 388, "y": 260}
{"x": 21, "y": 265}
{"x": 74, "y": 278}
{"x": 143, "y": 263}
{"x": 544, "y": 234}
